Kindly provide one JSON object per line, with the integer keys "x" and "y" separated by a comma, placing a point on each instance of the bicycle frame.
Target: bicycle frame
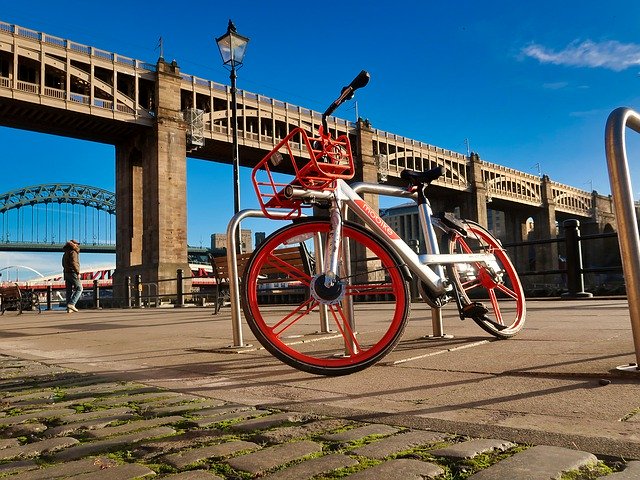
{"x": 428, "y": 267}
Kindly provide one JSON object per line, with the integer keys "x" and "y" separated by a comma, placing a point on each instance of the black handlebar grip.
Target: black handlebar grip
{"x": 346, "y": 94}
{"x": 360, "y": 81}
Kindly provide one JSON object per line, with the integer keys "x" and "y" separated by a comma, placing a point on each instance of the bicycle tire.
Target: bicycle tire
{"x": 290, "y": 332}
{"x": 474, "y": 281}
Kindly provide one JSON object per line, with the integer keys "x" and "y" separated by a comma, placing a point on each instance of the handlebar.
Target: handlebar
{"x": 346, "y": 94}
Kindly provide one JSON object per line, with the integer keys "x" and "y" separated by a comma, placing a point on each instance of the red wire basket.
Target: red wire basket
{"x": 314, "y": 164}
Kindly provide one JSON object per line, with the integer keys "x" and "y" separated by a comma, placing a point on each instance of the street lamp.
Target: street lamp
{"x": 232, "y": 48}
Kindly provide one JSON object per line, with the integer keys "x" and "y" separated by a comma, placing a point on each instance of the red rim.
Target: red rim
{"x": 277, "y": 330}
{"x": 507, "y": 292}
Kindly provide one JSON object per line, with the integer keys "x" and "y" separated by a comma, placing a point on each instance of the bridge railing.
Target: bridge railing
{"x": 74, "y": 46}
{"x": 508, "y": 183}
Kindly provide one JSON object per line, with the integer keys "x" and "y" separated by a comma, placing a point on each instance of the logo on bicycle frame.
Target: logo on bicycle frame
{"x": 377, "y": 220}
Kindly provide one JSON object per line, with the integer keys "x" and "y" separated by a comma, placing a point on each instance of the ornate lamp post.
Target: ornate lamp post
{"x": 232, "y": 48}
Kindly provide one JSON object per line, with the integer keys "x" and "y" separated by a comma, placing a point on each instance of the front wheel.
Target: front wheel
{"x": 319, "y": 328}
{"x": 497, "y": 284}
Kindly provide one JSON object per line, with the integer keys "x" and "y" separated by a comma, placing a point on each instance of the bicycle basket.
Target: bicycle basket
{"x": 308, "y": 163}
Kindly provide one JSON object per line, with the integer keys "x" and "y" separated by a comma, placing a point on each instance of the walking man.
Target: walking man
{"x": 71, "y": 268}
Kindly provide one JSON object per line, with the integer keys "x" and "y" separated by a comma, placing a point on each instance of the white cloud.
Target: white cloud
{"x": 555, "y": 85}
{"x": 611, "y": 54}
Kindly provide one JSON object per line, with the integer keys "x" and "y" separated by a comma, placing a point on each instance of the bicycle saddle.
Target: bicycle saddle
{"x": 420, "y": 178}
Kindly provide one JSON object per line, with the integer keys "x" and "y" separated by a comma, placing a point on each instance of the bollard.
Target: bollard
{"x": 96, "y": 295}
{"x": 575, "y": 278}
{"x": 49, "y": 293}
{"x": 127, "y": 291}
{"x": 179, "y": 286}
{"x": 137, "y": 291}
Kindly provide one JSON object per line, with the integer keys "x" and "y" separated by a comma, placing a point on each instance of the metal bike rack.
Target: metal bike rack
{"x": 234, "y": 285}
{"x": 622, "y": 194}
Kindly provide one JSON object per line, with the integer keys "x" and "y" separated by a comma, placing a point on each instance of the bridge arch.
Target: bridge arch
{"x": 53, "y": 213}
{"x": 86, "y": 195}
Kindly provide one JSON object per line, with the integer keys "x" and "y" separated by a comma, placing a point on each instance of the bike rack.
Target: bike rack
{"x": 622, "y": 194}
{"x": 232, "y": 262}
{"x": 234, "y": 285}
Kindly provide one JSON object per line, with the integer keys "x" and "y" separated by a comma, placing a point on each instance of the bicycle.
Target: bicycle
{"x": 352, "y": 263}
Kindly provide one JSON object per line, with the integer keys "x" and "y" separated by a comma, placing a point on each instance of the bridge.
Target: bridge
{"x": 41, "y": 218}
{"x": 155, "y": 115}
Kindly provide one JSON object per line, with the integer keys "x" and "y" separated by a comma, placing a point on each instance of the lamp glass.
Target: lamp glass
{"x": 232, "y": 48}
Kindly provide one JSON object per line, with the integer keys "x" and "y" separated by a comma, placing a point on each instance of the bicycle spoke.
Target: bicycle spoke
{"x": 286, "y": 268}
{"x": 294, "y": 316}
{"x": 370, "y": 289}
{"x": 345, "y": 329}
{"x": 506, "y": 290}
{"x": 496, "y": 307}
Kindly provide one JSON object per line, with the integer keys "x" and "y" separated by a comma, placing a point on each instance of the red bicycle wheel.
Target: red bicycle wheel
{"x": 283, "y": 303}
{"x": 498, "y": 284}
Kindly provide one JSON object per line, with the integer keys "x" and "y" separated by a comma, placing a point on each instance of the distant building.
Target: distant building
{"x": 404, "y": 221}
{"x": 259, "y": 238}
{"x": 219, "y": 240}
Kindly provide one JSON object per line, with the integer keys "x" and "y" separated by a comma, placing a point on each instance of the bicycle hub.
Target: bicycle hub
{"x": 328, "y": 295}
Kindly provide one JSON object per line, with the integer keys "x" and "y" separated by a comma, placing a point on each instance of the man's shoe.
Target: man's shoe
{"x": 71, "y": 308}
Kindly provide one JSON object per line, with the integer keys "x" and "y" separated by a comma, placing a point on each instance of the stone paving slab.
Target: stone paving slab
{"x": 24, "y": 429}
{"x": 37, "y": 448}
{"x": 187, "y": 457}
{"x": 123, "y": 412}
{"x": 311, "y": 468}
{"x": 471, "y": 448}
{"x": 269, "y": 421}
{"x": 133, "y": 426}
{"x": 39, "y": 415}
{"x": 192, "y": 475}
{"x": 271, "y": 457}
{"x": 16, "y": 468}
{"x": 286, "y": 434}
{"x": 185, "y": 408}
{"x": 88, "y": 425}
{"x": 540, "y": 462}
{"x": 401, "y": 469}
{"x": 359, "y": 433}
{"x": 127, "y": 471}
{"x": 8, "y": 442}
{"x": 403, "y": 441}
{"x": 224, "y": 409}
{"x": 68, "y": 469}
{"x": 145, "y": 397}
{"x": 207, "y": 421}
{"x": 100, "y": 446}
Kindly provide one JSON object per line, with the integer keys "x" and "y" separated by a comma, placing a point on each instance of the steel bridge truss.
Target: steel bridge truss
{"x": 53, "y": 213}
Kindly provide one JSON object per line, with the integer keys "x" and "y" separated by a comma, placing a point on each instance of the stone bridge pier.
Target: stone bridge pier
{"x": 151, "y": 208}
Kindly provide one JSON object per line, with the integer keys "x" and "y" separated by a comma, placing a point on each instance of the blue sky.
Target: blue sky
{"x": 528, "y": 84}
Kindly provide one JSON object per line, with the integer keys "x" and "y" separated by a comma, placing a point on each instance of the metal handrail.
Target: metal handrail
{"x": 624, "y": 207}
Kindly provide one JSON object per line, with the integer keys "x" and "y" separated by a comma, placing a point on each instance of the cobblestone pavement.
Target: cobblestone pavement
{"x": 57, "y": 423}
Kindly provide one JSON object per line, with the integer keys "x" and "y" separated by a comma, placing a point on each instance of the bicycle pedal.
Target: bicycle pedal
{"x": 474, "y": 310}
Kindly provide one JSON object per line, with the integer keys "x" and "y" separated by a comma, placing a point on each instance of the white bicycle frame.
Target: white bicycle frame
{"x": 428, "y": 267}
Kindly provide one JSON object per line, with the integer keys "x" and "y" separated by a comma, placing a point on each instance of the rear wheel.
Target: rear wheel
{"x": 496, "y": 286}
{"x": 326, "y": 330}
